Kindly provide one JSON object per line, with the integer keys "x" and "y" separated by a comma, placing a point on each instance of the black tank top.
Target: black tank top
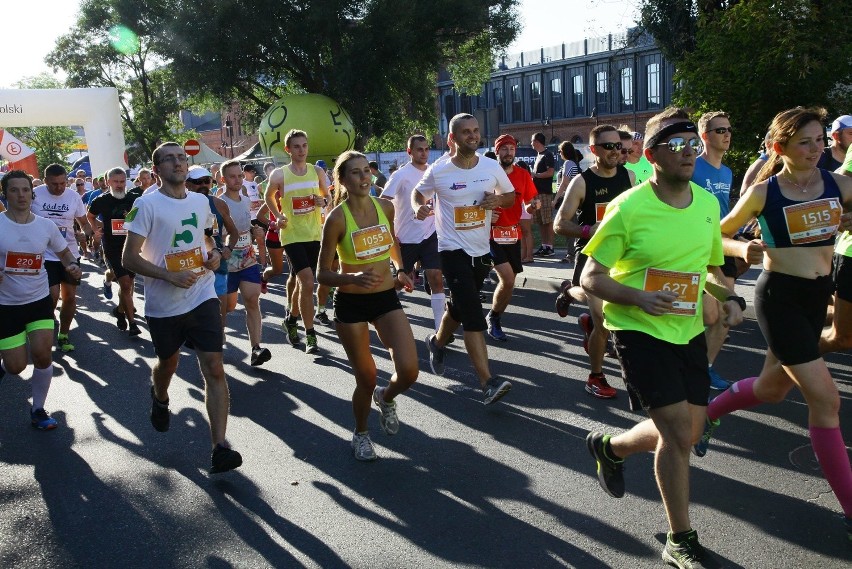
{"x": 600, "y": 191}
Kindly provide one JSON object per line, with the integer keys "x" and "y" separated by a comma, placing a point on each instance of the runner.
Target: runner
{"x": 417, "y": 239}
{"x": 106, "y": 215}
{"x": 798, "y": 206}
{"x": 465, "y": 189}
{"x": 589, "y": 194}
{"x": 660, "y": 236}
{"x": 26, "y": 308}
{"x": 63, "y": 206}
{"x": 166, "y": 244}
{"x": 505, "y": 234}
{"x": 243, "y": 267}
{"x": 570, "y": 169}
{"x": 360, "y": 229}
{"x": 295, "y": 197}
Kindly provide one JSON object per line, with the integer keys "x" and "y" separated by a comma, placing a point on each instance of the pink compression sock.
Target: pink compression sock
{"x": 832, "y": 457}
{"x": 739, "y": 396}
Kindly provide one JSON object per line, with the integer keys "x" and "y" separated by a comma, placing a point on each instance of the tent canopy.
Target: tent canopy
{"x": 206, "y": 156}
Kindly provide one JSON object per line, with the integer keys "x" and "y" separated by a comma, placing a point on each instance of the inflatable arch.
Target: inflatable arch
{"x": 96, "y": 110}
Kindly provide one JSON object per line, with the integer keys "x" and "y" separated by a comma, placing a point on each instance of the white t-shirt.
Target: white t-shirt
{"x": 408, "y": 228}
{"x": 456, "y": 192}
{"x": 61, "y": 210}
{"x": 22, "y": 251}
{"x": 170, "y": 227}
{"x": 151, "y": 189}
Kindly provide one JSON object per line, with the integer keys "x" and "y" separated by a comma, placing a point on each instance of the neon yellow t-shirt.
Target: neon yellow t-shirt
{"x": 843, "y": 246}
{"x": 640, "y": 232}
{"x": 301, "y": 203}
{"x": 642, "y": 169}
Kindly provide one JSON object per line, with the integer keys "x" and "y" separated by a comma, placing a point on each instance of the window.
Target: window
{"x": 626, "y": 89}
{"x": 517, "y": 103}
{"x": 535, "y": 101}
{"x": 449, "y": 106}
{"x": 578, "y": 96}
{"x": 653, "y": 72}
{"x": 498, "y": 103}
{"x": 601, "y": 91}
{"x": 556, "y": 105}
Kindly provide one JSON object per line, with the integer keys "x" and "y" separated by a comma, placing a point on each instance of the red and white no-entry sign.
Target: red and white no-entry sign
{"x": 192, "y": 147}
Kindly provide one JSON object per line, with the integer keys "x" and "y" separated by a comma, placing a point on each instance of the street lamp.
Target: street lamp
{"x": 229, "y": 130}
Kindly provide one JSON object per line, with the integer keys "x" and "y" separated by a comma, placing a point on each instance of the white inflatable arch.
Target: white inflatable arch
{"x": 96, "y": 110}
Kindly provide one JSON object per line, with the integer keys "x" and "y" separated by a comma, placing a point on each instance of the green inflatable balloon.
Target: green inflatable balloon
{"x": 329, "y": 128}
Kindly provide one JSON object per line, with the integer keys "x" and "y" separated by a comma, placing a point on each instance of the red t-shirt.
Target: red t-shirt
{"x": 524, "y": 192}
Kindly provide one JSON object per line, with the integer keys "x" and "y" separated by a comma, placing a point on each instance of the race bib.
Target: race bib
{"x": 304, "y": 205}
{"x": 190, "y": 260}
{"x": 255, "y": 206}
{"x": 469, "y": 217}
{"x": 809, "y": 222}
{"x": 504, "y": 235}
{"x": 244, "y": 241}
{"x": 23, "y": 263}
{"x": 214, "y": 226}
{"x": 600, "y": 210}
{"x": 371, "y": 242}
{"x": 118, "y": 227}
{"x": 685, "y": 285}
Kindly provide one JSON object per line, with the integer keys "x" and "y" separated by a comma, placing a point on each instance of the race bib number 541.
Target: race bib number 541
{"x": 684, "y": 285}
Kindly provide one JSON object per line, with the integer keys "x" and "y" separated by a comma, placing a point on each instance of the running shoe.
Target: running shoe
{"x": 260, "y": 356}
{"x": 494, "y": 328}
{"x": 700, "y": 448}
{"x": 436, "y": 355}
{"x": 716, "y": 381}
{"x": 686, "y": 554}
{"x": 224, "y": 459}
{"x": 587, "y": 326}
{"x": 120, "y": 319}
{"x": 598, "y": 386}
{"x": 292, "y": 329}
{"x": 107, "y": 289}
{"x": 363, "y": 447}
{"x": 388, "y": 419}
{"x": 134, "y": 330}
{"x": 548, "y": 252}
{"x": 569, "y": 258}
{"x": 64, "y": 343}
{"x": 495, "y": 389}
{"x": 160, "y": 416}
{"x": 563, "y": 300}
{"x": 610, "y": 472}
{"x": 322, "y": 318}
{"x": 42, "y": 421}
{"x": 311, "y": 344}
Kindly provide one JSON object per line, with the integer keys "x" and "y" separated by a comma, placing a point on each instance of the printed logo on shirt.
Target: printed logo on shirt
{"x": 55, "y": 208}
{"x": 185, "y": 236}
{"x": 458, "y": 186}
{"x": 131, "y": 215}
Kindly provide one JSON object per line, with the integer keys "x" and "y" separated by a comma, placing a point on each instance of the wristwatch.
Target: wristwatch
{"x": 739, "y": 300}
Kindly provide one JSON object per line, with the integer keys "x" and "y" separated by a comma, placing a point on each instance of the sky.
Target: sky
{"x": 545, "y": 23}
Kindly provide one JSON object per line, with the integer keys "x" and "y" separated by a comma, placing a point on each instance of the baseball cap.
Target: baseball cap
{"x": 321, "y": 164}
{"x": 197, "y": 172}
{"x": 504, "y": 139}
{"x": 840, "y": 123}
{"x": 637, "y": 135}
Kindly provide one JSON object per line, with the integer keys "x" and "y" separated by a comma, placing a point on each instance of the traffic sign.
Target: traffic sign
{"x": 192, "y": 147}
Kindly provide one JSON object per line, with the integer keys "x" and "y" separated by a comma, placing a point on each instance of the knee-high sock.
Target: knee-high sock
{"x": 439, "y": 303}
{"x": 739, "y": 396}
{"x": 834, "y": 461}
{"x": 40, "y": 385}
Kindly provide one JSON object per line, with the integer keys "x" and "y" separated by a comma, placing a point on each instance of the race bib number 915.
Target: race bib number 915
{"x": 191, "y": 260}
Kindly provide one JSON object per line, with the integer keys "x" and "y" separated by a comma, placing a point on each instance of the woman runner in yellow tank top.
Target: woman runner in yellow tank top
{"x": 360, "y": 229}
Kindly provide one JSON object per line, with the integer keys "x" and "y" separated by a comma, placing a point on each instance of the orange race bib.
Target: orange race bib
{"x": 304, "y": 205}
{"x": 371, "y": 242}
{"x": 23, "y": 263}
{"x": 808, "y": 222}
{"x": 469, "y": 217}
{"x": 118, "y": 227}
{"x": 685, "y": 285}
{"x": 504, "y": 235}
{"x": 190, "y": 260}
{"x": 600, "y": 210}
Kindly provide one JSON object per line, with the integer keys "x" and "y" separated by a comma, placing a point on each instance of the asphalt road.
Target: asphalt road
{"x": 461, "y": 485}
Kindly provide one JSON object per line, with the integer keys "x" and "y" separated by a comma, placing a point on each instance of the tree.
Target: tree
{"x": 754, "y": 59}
{"x": 50, "y": 143}
{"x": 379, "y": 58}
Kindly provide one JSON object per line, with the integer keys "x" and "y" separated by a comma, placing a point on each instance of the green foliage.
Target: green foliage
{"x": 397, "y": 139}
{"x": 470, "y": 63}
{"x": 754, "y": 59}
{"x": 51, "y": 143}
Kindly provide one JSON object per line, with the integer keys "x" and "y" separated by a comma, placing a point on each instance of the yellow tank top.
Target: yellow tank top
{"x": 368, "y": 245}
{"x": 301, "y": 203}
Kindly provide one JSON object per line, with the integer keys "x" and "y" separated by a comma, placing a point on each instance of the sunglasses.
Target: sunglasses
{"x": 723, "y": 129}
{"x": 79, "y": 185}
{"x": 609, "y": 145}
{"x": 625, "y": 151}
{"x": 204, "y": 180}
{"x": 678, "y": 143}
